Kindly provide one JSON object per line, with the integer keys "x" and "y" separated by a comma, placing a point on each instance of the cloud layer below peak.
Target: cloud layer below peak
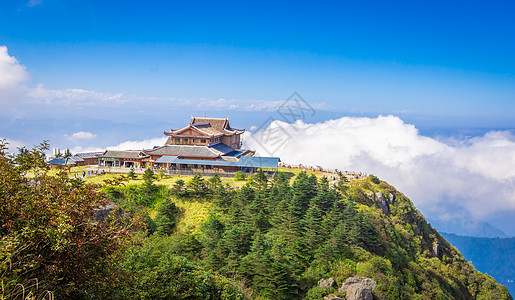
{"x": 476, "y": 175}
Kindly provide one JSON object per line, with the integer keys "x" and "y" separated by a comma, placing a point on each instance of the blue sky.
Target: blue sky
{"x": 93, "y": 74}
{"x": 433, "y": 59}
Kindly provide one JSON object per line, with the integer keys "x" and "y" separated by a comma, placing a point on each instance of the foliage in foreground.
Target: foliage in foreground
{"x": 152, "y": 270}
{"x": 47, "y": 232}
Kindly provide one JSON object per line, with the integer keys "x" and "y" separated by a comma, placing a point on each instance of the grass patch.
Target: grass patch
{"x": 194, "y": 214}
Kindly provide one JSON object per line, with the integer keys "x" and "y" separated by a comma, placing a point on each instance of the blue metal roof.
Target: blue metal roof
{"x": 221, "y": 147}
{"x": 166, "y": 159}
{"x": 205, "y": 162}
{"x": 57, "y": 161}
{"x": 258, "y": 162}
{"x": 234, "y": 153}
{"x": 244, "y": 161}
{"x": 62, "y": 161}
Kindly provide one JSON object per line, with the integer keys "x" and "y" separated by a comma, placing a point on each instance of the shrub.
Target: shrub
{"x": 316, "y": 293}
{"x": 132, "y": 174}
{"x": 239, "y": 176}
{"x": 374, "y": 179}
{"x": 48, "y": 230}
{"x": 154, "y": 272}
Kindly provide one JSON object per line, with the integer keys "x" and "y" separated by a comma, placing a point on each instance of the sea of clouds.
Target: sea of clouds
{"x": 473, "y": 176}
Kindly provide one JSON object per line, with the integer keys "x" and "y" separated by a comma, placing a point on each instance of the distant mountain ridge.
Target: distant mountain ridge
{"x": 494, "y": 256}
{"x": 467, "y": 226}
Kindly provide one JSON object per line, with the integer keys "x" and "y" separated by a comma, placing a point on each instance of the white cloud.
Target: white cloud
{"x": 83, "y": 135}
{"x": 76, "y": 97}
{"x": 127, "y": 145}
{"x": 476, "y": 174}
{"x": 12, "y": 75}
{"x": 222, "y": 104}
{"x": 13, "y": 145}
{"x": 33, "y": 3}
{"x": 139, "y": 145}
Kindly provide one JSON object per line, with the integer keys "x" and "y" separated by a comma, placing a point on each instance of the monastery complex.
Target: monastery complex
{"x": 206, "y": 145}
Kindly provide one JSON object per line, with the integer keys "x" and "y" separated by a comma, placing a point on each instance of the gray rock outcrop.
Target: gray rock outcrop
{"x": 358, "y": 288}
{"x": 382, "y": 203}
{"x": 391, "y": 198}
{"x": 329, "y": 282}
{"x": 436, "y": 249}
{"x": 102, "y": 212}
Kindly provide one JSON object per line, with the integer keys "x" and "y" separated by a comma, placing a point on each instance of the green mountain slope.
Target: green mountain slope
{"x": 493, "y": 256}
{"x": 276, "y": 239}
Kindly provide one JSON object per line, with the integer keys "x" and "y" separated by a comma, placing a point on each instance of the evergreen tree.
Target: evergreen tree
{"x": 212, "y": 231}
{"x": 262, "y": 179}
{"x": 166, "y": 218}
{"x": 198, "y": 185}
{"x": 325, "y": 197}
{"x": 312, "y": 228}
{"x": 215, "y": 183}
{"x": 245, "y": 195}
{"x": 280, "y": 179}
{"x": 132, "y": 174}
{"x": 256, "y": 267}
{"x": 223, "y": 197}
{"x": 148, "y": 177}
{"x": 178, "y": 187}
{"x": 304, "y": 189}
{"x": 260, "y": 221}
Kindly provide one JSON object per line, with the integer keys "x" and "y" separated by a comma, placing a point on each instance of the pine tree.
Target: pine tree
{"x": 148, "y": 177}
{"x": 304, "y": 189}
{"x": 215, "y": 182}
{"x": 312, "y": 227}
{"x": 178, "y": 186}
{"x": 246, "y": 195}
{"x": 256, "y": 267}
{"x": 166, "y": 218}
{"x": 262, "y": 179}
{"x": 212, "y": 231}
{"x": 132, "y": 174}
{"x": 325, "y": 197}
{"x": 197, "y": 185}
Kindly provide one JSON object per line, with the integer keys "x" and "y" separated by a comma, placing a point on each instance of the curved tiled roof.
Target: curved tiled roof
{"x": 121, "y": 154}
{"x": 217, "y": 123}
{"x": 184, "y": 150}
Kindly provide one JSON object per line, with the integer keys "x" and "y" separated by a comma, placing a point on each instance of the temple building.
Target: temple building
{"x": 206, "y": 145}
{"x": 206, "y": 132}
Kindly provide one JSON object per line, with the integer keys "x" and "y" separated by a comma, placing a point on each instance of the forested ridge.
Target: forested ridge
{"x": 270, "y": 239}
